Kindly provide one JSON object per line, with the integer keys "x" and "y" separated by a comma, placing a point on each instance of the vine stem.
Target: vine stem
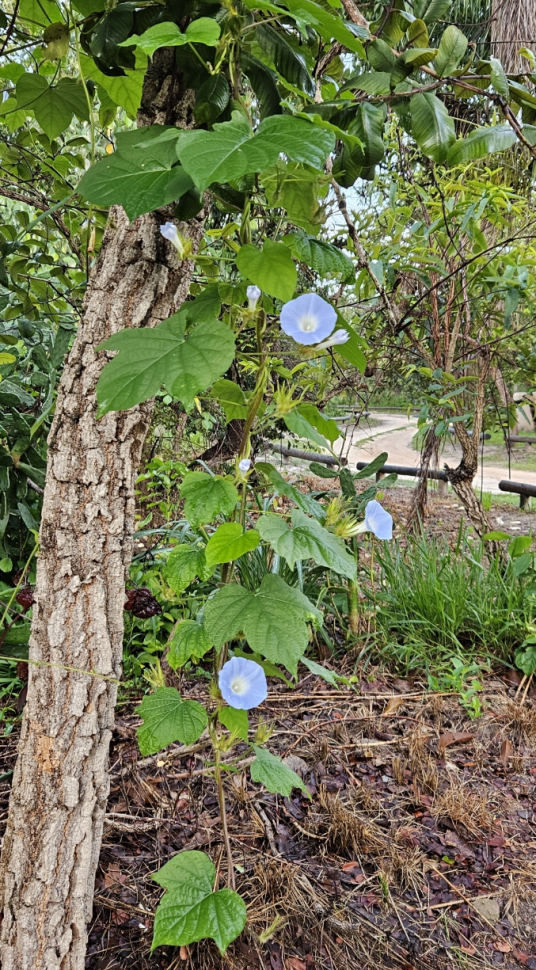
{"x": 223, "y": 814}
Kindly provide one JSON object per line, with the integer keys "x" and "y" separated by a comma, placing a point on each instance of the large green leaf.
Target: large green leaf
{"x": 39, "y": 12}
{"x": 167, "y": 34}
{"x": 498, "y": 78}
{"x": 206, "y": 496}
{"x": 190, "y": 640}
{"x": 296, "y": 188}
{"x": 432, "y": 126}
{"x": 184, "y": 363}
{"x": 451, "y": 50}
{"x": 229, "y": 542}
{"x": 53, "y": 107}
{"x": 237, "y": 722}
{"x": 190, "y": 910}
{"x": 271, "y": 268}
{"x": 231, "y": 398}
{"x": 306, "y": 540}
{"x": 124, "y": 90}
{"x": 352, "y": 350}
{"x": 273, "y": 620}
{"x": 322, "y": 257}
{"x": 231, "y": 150}
{"x": 167, "y": 718}
{"x": 111, "y": 29}
{"x": 288, "y": 64}
{"x": 481, "y": 142}
{"x": 329, "y": 27}
{"x": 185, "y": 563}
{"x": 141, "y": 176}
{"x": 269, "y": 770}
{"x": 373, "y": 82}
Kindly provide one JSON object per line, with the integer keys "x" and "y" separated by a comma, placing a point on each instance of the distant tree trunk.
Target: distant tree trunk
{"x": 61, "y": 781}
{"x": 417, "y": 512}
{"x": 513, "y": 25}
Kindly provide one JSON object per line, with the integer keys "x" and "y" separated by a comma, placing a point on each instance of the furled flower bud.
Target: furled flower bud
{"x": 337, "y": 338}
{"x": 172, "y": 234}
{"x": 244, "y": 465}
{"x": 253, "y": 294}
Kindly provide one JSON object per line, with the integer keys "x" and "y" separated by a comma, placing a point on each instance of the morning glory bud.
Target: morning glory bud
{"x": 244, "y": 465}
{"x": 377, "y": 520}
{"x": 253, "y": 294}
{"x": 171, "y": 233}
{"x": 242, "y": 683}
{"x": 308, "y": 319}
{"x": 337, "y": 338}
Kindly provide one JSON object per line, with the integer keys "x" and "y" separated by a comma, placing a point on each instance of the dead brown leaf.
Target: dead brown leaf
{"x": 113, "y": 875}
{"x": 393, "y": 704}
{"x": 520, "y": 956}
{"x": 507, "y": 752}
{"x": 453, "y": 737}
{"x": 294, "y": 963}
{"x": 502, "y": 946}
{"x": 470, "y": 950}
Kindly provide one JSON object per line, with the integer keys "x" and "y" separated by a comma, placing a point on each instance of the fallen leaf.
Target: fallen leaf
{"x": 348, "y": 866}
{"x": 453, "y": 737}
{"x": 294, "y": 963}
{"x": 113, "y": 875}
{"x": 393, "y": 704}
{"x": 183, "y": 953}
{"x": 520, "y": 956}
{"x": 470, "y": 950}
{"x": 502, "y": 946}
{"x": 507, "y": 752}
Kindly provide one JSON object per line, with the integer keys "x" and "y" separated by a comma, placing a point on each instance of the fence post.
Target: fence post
{"x": 442, "y": 488}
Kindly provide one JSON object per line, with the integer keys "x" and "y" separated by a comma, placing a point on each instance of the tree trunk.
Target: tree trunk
{"x": 61, "y": 780}
{"x": 419, "y": 498}
{"x": 513, "y": 25}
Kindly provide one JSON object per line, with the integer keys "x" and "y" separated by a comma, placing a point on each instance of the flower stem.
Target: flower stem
{"x": 223, "y": 814}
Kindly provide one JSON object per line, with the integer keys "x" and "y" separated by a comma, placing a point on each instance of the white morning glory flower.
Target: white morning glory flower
{"x": 244, "y": 465}
{"x": 337, "y": 338}
{"x": 171, "y": 233}
{"x": 253, "y": 295}
{"x": 242, "y": 683}
{"x": 378, "y": 521}
{"x": 308, "y": 319}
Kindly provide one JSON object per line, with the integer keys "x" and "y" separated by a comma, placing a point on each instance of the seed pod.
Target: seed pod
{"x": 142, "y": 603}
{"x": 25, "y": 597}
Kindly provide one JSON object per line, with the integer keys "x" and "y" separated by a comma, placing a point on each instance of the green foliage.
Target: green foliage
{"x": 307, "y": 539}
{"x": 237, "y": 722}
{"x": 190, "y": 909}
{"x": 185, "y": 563}
{"x": 271, "y": 269}
{"x": 185, "y": 363}
{"x": 206, "y": 496}
{"x": 273, "y": 620}
{"x": 229, "y": 542}
{"x": 167, "y": 718}
{"x": 202, "y": 31}
{"x": 272, "y": 772}
{"x": 190, "y": 641}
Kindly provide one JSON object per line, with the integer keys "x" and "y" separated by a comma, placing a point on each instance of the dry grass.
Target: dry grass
{"x": 462, "y": 806}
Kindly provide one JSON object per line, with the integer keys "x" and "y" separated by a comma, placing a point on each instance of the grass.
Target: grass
{"x": 436, "y": 603}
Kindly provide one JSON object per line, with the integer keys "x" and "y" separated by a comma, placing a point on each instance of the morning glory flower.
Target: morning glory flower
{"x": 242, "y": 683}
{"x": 253, "y": 295}
{"x": 244, "y": 465}
{"x": 171, "y": 233}
{"x": 308, "y": 319}
{"x": 378, "y": 521}
{"x": 337, "y": 338}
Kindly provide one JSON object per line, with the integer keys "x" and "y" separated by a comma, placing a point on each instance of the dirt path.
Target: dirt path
{"x": 393, "y": 433}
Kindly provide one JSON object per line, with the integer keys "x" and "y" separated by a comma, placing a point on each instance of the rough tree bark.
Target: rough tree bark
{"x": 61, "y": 781}
{"x": 513, "y": 25}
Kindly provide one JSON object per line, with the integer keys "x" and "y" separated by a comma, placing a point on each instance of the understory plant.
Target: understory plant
{"x": 239, "y": 542}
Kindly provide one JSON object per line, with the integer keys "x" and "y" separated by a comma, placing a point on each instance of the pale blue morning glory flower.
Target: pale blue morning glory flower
{"x": 308, "y": 319}
{"x": 378, "y": 521}
{"x": 171, "y": 233}
{"x": 242, "y": 683}
{"x": 253, "y": 294}
{"x": 244, "y": 465}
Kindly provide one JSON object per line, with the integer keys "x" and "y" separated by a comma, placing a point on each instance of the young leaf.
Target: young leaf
{"x": 237, "y": 722}
{"x": 322, "y": 471}
{"x": 319, "y": 671}
{"x": 272, "y": 772}
{"x": 373, "y": 466}
{"x": 190, "y": 910}
{"x": 328, "y": 26}
{"x": 326, "y": 426}
{"x": 231, "y": 398}
{"x": 206, "y": 496}
{"x": 347, "y": 483}
{"x": 166, "y": 718}
{"x": 272, "y": 268}
{"x": 229, "y": 542}
{"x": 431, "y": 10}
{"x": 306, "y": 540}
{"x": 299, "y": 426}
{"x": 184, "y": 363}
{"x": 167, "y": 34}
{"x": 432, "y": 126}
{"x": 184, "y": 564}
{"x": 302, "y": 500}
{"x": 451, "y": 50}
{"x": 263, "y": 82}
{"x": 273, "y": 620}
{"x": 418, "y": 34}
{"x": 498, "y": 78}
{"x": 190, "y": 640}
